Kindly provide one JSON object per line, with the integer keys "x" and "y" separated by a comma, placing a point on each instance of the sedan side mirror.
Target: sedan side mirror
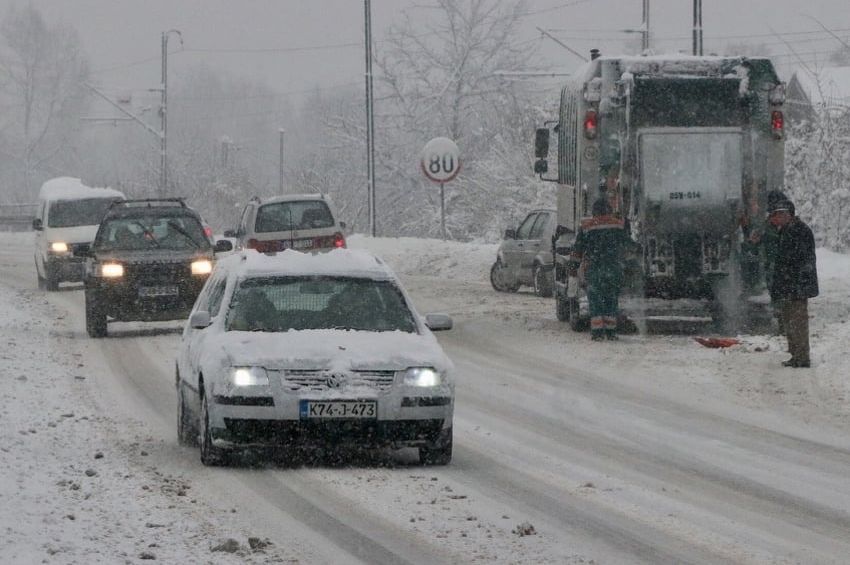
{"x": 510, "y": 233}
{"x": 438, "y": 322}
{"x": 223, "y": 245}
{"x": 36, "y": 224}
{"x": 200, "y": 320}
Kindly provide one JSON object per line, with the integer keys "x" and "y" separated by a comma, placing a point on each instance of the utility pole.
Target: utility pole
{"x": 370, "y": 120}
{"x": 163, "y": 114}
{"x": 697, "y": 43}
{"x": 645, "y": 26}
{"x": 280, "y": 187}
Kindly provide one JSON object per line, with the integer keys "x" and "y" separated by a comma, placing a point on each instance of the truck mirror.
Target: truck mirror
{"x": 541, "y": 166}
{"x": 541, "y": 143}
{"x": 36, "y": 224}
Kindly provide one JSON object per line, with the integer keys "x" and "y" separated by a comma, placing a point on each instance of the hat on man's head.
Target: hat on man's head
{"x": 776, "y": 196}
{"x": 780, "y": 205}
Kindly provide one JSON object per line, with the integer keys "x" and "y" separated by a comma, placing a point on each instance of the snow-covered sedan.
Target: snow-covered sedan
{"x": 298, "y": 349}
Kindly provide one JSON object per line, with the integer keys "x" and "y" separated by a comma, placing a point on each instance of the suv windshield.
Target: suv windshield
{"x": 69, "y": 213}
{"x": 294, "y": 215}
{"x": 143, "y": 232}
{"x": 279, "y": 304}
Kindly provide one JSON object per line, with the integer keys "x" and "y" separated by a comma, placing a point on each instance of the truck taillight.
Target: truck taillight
{"x": 777, "y": 122}
{"x": 590, "y": 123}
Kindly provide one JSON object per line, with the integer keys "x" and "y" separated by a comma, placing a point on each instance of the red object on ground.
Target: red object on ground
{"x": 716, "y": 342}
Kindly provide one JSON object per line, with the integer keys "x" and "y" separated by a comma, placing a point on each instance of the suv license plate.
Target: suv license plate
{"x": 152, "y": 291}
{"x": 350, "y": 409}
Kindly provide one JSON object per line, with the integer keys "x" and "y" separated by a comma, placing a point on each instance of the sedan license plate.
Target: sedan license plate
{"x": 350, "y": 409}
{"x": 153, "y": 291}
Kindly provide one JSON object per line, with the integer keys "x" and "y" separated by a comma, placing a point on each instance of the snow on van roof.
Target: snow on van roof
{"x": 288, "y": 197}
{"x": 337, "y": 262}
{"x": 69, "y": 188}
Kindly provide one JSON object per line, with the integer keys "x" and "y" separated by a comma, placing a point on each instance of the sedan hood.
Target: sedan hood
{"x": 332, "y": 349}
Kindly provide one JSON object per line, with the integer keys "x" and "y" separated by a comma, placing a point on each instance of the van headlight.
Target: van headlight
{"x": 59, "y": 247}
{"x": 249, "y": 376}
{"x": 201, "y": 267}
{"x": 110, "y": 270}
{"x": 423, "y": 376}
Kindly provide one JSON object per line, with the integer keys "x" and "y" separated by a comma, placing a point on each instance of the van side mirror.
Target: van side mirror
{"x": 36, "y": 224}
{"x": 223, "y": 245}
{"x": 541, "y": 143}
{"x": 200, "y": 320}
{"x": 541, "y": 166}
{"x": 438, "y": 322}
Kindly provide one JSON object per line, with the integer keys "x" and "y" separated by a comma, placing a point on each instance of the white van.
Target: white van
{"x": 65, "y": 224}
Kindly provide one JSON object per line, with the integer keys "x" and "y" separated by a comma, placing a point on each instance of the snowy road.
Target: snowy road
{"x": 649, "y": 450}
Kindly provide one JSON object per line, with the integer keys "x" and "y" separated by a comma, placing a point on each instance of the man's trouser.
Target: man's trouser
{"x": 603, "y": 303}
{"x": 795, "y": 321}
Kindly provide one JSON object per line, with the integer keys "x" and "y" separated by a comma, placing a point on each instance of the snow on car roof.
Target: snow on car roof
{"x": 69, "y": 188}
{"x": 289, "y": 197}
{"x": 338, "y": 262}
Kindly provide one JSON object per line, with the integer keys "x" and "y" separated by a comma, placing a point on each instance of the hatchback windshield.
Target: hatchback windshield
{"x": 69, "y": 213}
{"x": 279, "y": 304}
{"x": 295, "y": 215}
{"x": 152, "y": 232}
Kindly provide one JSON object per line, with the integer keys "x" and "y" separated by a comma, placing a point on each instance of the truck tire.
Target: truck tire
{"x": 577, "y": 323}
{"x": 562, "y": 307}
{"x": 95, "y": 316}
{"x": 543, "y": 282}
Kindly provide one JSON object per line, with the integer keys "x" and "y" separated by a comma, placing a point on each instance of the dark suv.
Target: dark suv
{"x": 148, "y": 262}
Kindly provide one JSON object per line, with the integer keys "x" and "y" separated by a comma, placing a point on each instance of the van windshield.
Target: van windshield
{"x": 69, "y": 213}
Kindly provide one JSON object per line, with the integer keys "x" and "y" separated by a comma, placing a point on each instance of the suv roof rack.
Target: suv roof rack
{"x": 148, "y": 203}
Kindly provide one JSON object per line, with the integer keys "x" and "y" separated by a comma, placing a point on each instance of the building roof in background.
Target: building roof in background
{"x": 827, "y": 86}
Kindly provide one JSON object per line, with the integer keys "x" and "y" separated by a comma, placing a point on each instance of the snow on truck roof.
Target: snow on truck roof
{"x": 69, "y": 188}
{"x": 673, "y": 64}
{"x": 338, "y": 262}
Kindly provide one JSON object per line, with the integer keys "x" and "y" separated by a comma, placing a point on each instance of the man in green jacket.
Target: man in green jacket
{"x": 599, "y": 248}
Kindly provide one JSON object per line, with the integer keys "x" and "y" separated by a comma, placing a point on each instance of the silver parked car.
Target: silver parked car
{"x": 525, "y": 255}
{"x": 302, "y": 349}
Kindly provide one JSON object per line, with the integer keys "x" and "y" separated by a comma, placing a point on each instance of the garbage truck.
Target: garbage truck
{"x": 685, "y": 149}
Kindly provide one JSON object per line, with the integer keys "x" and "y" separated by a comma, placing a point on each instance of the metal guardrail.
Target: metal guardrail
{"x": 17, "y": 217}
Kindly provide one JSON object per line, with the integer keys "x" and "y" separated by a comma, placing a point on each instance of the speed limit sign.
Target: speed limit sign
{"x": 441, "y": 159}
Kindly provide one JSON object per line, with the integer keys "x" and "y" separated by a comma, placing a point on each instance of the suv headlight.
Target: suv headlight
{"x": 59, "y": 247}
{"x": 201, "y": 267}
{"x": 423, "y": 376}
{"x": 249, "y": 376}
{"x": 110, "y": 270}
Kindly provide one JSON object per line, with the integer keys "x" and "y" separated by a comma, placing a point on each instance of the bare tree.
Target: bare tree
{"x": 43, "y": 68}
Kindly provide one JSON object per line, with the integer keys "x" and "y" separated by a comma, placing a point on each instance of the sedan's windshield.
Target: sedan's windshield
{"x": 69, "y": 213}
{"x": 177, "y": 233}
{"x": 279, "y": 304}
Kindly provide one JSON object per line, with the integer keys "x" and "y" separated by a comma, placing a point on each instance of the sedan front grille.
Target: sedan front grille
{"x": 322, "y": 380}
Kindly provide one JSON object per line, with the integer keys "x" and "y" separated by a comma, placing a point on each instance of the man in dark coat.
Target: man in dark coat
{"x": 599, "y": 247}
{"x": 794, "y": 280}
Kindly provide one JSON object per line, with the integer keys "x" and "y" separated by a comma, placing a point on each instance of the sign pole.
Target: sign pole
{"x": 443, "y": 210}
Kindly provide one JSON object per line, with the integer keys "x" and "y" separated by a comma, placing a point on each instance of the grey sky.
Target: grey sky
{"x": 118, "y": 34}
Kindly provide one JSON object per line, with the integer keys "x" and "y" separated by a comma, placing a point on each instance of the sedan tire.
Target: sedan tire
{"x": 210, "y": 454}
{"x": 95, "y": 317}
{"x": 187, "y": 428}
{"x": 543, "y": 283}
{"x": 497, "y": 278}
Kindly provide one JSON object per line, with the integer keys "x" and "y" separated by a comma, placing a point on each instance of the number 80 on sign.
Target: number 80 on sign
{"x": 440, "y": 159}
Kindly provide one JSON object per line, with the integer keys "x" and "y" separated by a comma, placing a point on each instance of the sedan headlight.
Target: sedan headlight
{"x": 111, "y": 270}
{"x": 249, "y": 376}
{"x": 59, "y": 247}
{"x": 422, "y": 376}
{"x": 201, "y": 267}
